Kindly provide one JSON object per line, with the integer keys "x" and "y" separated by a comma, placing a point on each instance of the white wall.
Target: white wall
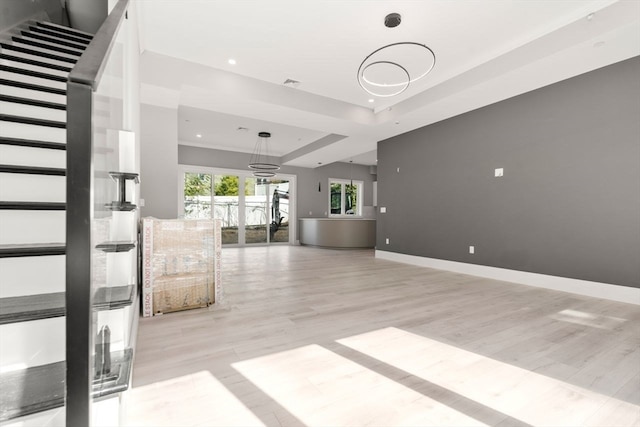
{"x": 159, "y": 161}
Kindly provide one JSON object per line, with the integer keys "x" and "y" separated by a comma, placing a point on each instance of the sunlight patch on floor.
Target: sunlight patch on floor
{"x": 197, "y": 399}
{"x": 322, "y": 388}
{"x": 527, "y": 396}
{"x": 587, "y": 319}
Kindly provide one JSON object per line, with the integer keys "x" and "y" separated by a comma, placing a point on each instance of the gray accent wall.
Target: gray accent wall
{"x": 568, "y": 204}
{"x": 159, "y": 161}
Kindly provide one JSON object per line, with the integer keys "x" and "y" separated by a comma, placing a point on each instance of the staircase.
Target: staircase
{"x": 35, "y": 60}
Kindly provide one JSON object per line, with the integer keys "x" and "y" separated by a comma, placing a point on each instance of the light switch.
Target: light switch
{"x": 383, "y": 209}
{"x": 499, "y": 172}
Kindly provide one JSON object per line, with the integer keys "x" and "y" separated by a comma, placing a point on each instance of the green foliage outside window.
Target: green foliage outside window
{"x": 197, "y": 184}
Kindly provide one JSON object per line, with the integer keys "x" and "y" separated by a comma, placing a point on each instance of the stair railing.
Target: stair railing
{"x": 97, "y": 79}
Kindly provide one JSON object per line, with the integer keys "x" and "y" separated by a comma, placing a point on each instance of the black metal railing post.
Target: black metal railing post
{"x": 82, "y": 82}
{"x": 79, "y": 334}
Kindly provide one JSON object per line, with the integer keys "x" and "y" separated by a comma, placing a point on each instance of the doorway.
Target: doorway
{"x": 253, "y": 211}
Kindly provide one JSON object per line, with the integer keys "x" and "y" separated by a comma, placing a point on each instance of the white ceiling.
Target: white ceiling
{"x": 485, "y": 51}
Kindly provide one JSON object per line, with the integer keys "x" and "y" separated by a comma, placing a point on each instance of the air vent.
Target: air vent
{"x": 291, "y": 83}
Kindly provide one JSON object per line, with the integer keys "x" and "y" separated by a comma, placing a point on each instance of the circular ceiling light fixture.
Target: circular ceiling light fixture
{"x": 260, "y": 158}
{"x": 389, "y": 70}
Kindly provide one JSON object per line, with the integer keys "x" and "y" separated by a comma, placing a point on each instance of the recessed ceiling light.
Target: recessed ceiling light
{"x": 232, "y": 61}
{"x": 371, "y": 100}
{"x": 198, "y": 135}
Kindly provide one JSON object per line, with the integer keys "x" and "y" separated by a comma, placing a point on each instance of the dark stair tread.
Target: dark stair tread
{"x": 41, "y": 45}
{"x": 33, "y": 206}
{"x": 34, "y": 62}
{"x": 31, "y": 307}
{"x": 40, "y": 388}
{"x": 45, "y": 306}
{"x": 32, "y": 390}
{"x": 31, "y": 86}
{"x": 33, "y": 121}
{"x": 37, "y": 53}
{"x": 56, "y": 40}
{"x": 33, "y": 170}
{"x": 51, "y": 33}
{"x": 116, "y": 246}
{"x": 32, "y": 73}
{"x": 33, "y": 143}
{"x": 33, "y": 249}
{"x": 66, "y": 30}
{"x": 33, "y": 102}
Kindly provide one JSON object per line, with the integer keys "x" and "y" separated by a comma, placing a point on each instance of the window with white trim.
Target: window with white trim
{"x": 345, "y": 197}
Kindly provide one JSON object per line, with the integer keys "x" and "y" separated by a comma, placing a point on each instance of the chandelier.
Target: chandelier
{"x": 260, "y": 161}
{"x": 389, "y": 70}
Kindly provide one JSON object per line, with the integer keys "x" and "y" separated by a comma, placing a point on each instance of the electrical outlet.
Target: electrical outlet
{"x": 383, "y": 209}
{"x": 310, "y": 213}
{"x": 387, "y": 241}
{"x": 472, "y": 249}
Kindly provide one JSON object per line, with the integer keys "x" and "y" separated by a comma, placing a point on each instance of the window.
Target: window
{"x": 252, "y": 210}
{"x": 197, "y": 195}
{"x": 345, "y": 197}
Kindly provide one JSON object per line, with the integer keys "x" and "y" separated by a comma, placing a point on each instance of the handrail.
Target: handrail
{"x": 89, "y": 68}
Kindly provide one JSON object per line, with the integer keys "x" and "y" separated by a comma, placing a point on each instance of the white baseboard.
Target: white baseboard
{"x": 582, "y": 287}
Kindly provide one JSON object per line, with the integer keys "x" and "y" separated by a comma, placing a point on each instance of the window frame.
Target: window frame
{"x": 343, "y": 185}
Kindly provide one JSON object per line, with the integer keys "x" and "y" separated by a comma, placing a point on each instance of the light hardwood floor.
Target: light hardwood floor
{"x": 317, "y": 337}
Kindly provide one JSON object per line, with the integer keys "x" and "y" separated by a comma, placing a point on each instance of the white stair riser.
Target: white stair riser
{"x": 33, "y": 343}
{"x": 32, "y": 188}
{"x": 31, "y": 111}
{"x": 32, "y": 67}
{"x": 32, "y": 36}
{"x": 32, "y": 94}
{"x": 28, "y": 131}
{"x": 32, "y": 275}
{"x": 38, "y": 57}
{"x": 46, "y": 43}
{"x": 43, "y": 50}
{"x": 58, "y": 27}
{"x": 32, "y": 227}
{"x": 51, "y": 418}
{"x": 30, "y": 156}
{"x": 35, "y": 80}
{"x": 105, "y": 412}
